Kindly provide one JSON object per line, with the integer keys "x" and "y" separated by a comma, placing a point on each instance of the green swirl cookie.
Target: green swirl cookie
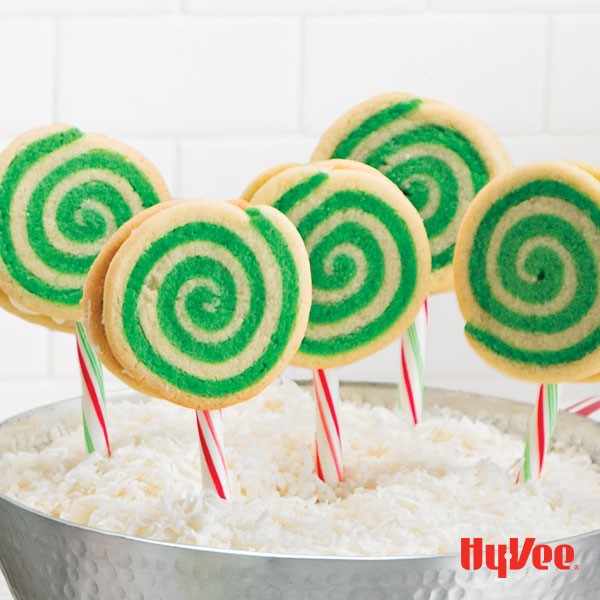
{"x": 439, "y": 156}
{"x": 527, "y": 269}
{"x": 205, "y": 303}
{"x": 369, "y": 256}
{"x": 62, "y": 195}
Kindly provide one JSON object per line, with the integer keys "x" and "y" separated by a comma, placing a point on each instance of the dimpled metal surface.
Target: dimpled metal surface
{"x": 45, "y": 558}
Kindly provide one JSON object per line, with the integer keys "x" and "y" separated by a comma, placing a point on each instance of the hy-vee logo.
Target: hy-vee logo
{"x": 503, "y": 558}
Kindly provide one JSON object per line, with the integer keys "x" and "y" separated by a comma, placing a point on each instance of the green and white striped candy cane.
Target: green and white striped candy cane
{"x": 528, "y": 273}
{"x": 211, "y": 302}
{"x": 62, "y": 194}
{"x": 439, "y": 156}
{"x": 539, "y": 432}
{"x": 93, "y": 395}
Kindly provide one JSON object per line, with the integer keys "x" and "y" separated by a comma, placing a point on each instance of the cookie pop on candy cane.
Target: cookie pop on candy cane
{"x": 527, "y": 272}
{"x": 370, "y": 267}
{"x": 440, "y": 157}
{"x": 203, "y": 304}
{"x": 62, "y": 194}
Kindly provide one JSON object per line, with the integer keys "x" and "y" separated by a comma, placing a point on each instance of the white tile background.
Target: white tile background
{"x": 215, "y": 91}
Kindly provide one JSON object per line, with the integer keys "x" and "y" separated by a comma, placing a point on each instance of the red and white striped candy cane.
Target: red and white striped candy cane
{"x": 214, "y": 467}
{"x": 540, "y": 432}
{"x": 586, "y": 407}
{"x": 93, "y": 397}
{"x": 412, "y": 367}
{"x": 329, "y": 463}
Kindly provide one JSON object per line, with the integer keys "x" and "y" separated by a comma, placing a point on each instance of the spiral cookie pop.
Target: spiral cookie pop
{"x": 527, "y": 268}
{"x": 62, "y": 194}
{"x": 370, "y": 266}
{"x": 208, "y": 304}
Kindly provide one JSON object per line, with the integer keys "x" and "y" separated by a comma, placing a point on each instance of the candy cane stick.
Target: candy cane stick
{"x": 585, "y": 407}
{"x": 329, "y": 463}
{"x": 214, "y": 467}
{"x": 93, "y": 397}
{"x": 540, "y": 432}
{"x": 412, "y": 361}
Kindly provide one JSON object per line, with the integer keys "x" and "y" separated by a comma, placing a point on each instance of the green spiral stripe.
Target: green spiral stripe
{"x": 414, "y": 175}
{"x": 375, "y": 122}
{"x": 544, "y": 268}
{"x": 343, "y": 268}
{"x": 211, "y": 307}
{"x": 76, "y": 220}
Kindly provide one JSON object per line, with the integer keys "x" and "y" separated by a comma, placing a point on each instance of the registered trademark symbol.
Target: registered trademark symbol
{"x": 575, "y": 567}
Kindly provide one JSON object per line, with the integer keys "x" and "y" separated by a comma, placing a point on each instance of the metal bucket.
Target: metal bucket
{"x": 46, "y": 558}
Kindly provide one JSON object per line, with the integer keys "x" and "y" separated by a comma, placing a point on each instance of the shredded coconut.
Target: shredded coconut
{"x": 406, "y": 492}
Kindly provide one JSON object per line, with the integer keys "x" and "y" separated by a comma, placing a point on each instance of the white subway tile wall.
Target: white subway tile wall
{"x": 215, "y": 91}
{"x": 180, "y": 76}
{"x": 493, "y": 66}
{"x": 573, "y": 92}
{"x": 28, "y": 60}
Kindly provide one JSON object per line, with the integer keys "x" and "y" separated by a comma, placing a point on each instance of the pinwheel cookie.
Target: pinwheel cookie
{"x": 527, "y": 269}
{"x": 439, "y": 156}
{"x": 203, "y": 303}
{"x": 369, "y": 256}
{"x": 62, "y": 194}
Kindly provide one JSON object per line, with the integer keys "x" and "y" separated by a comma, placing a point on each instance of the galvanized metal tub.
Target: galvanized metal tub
{"x": 46, "y": 558}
